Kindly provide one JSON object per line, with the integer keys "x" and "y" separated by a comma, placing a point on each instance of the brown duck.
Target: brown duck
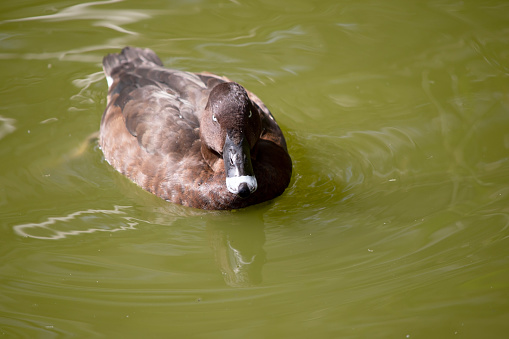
{"x": 198, "y": 140}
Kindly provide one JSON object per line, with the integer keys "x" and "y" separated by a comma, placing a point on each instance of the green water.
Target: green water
{"x": 395, "y": 224}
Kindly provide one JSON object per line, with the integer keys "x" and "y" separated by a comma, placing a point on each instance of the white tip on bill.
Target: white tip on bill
{"x": 233, "y": 183}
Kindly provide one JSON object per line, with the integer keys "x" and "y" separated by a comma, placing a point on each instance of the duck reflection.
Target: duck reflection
{"x": 239, "y": 253}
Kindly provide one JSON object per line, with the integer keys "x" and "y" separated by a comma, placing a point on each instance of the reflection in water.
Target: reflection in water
{"x": 112, "y": 19}
{"x": 106, "y": 18}
{"x": 60, "y": 227}
{"x": 238, "y": 249}
{"x": 239, "y": 252}
{"x": 6, "y": 126}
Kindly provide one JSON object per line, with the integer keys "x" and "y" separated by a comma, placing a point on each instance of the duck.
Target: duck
{"x": 195, "y": 139}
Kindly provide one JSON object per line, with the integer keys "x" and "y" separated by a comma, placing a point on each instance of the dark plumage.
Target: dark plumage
{"x": 198, "y": 140}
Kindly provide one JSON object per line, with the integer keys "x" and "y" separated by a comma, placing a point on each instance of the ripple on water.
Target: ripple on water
{"x": 76, "y": 223}
{"x": 7, "y": 126}
{"x": 330, "y": 170}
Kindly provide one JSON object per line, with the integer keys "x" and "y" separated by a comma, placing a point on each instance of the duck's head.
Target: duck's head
{"x": 230, "y": 127}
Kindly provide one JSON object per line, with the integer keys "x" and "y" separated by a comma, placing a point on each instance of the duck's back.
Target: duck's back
{"x": 150, "y": 131}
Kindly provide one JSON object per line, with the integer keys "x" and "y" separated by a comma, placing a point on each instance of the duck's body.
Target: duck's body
{"x": 161, "y": 130}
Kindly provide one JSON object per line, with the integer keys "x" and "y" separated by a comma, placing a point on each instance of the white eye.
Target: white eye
{"x": 250, "y": 114}
{"x": 214, "y": 118}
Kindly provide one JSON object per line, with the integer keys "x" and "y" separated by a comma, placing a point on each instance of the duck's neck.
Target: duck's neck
{"x": 212, "y": 158}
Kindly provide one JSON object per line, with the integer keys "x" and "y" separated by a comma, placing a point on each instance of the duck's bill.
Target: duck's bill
{"x": 240, "y": 178}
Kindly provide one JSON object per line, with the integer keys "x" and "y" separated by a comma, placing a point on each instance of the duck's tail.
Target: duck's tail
{"x": 129, "y": 55}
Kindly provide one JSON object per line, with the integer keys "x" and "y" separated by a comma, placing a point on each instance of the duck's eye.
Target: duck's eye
{"x": 250, "y": 114}
{"x": 214, "y": 118}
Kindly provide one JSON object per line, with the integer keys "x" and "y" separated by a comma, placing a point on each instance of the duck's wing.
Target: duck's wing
{"x": 160, "y": 107}
{"x": 161, "y": 121}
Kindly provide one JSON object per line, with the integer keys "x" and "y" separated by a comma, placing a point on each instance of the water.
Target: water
{"x": 395, "y": 224}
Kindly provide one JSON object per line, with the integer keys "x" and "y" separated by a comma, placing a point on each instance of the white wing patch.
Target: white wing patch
{"x": 109, "y": 80}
